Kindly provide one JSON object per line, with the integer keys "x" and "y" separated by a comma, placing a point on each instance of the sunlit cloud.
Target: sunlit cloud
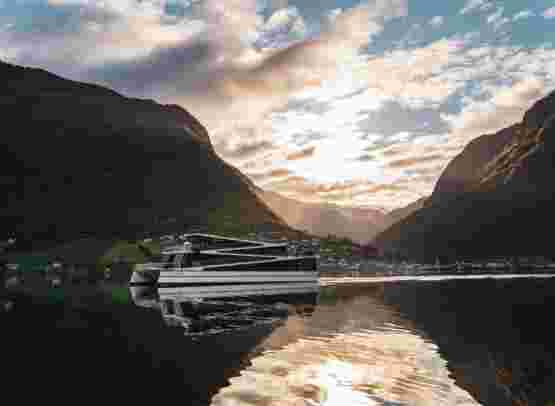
{"x": 436, "y": 21}
{"x": 549, "y": 13}
{"x": 270, "y": 175}
{"x": 302, "y": 154}
{"x": 497, "y": 20}
{"x": 476, "y": 5}
{"x": 521, "y": 15}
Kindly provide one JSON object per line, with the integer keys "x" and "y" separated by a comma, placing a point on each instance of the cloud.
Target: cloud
{"x": 302, "y": 154}
{"x": 301, "y": 139}
{"x": 83, "y": 33}
{"x": 549, "y": 13}
{"x": 270, "y": 175}
{"x": 294, "y": 186}
{"x": 202, "y": 60}
{"x": 414, "y": 77}
{"x": 427, "y": 170}
{"x": 521, "y": 15}
{"x": 409, "y": 162}
{"x": 506, "y": 107}
{"x": 476, "y": 5}
{"x": 281, "y": 29}
{"x": 407, "y": 119}
{"x": 365, "y": 158}
{"x": 497, "y": 20}
{"x": 414, "y": 163}
{"x": 411, "y": 130}
{"x": 247, "y": 149}
{"x": 393, "y": 151}
{"x": 389, "y": 187}
{"x": 436, "y": 21}
{"x": 411, "y": 133}
{"x": 243, "y": 143}
{"x": 342, "y": 193}
{"x": 307, "y": 105}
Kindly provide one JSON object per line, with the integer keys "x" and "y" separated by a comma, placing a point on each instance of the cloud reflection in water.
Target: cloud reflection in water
{"x": 353, "y": 352}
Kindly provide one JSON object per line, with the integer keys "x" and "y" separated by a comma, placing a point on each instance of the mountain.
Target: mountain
{"x": 495, "y": 199}
{"x": 399, "y": 214}
{"x": 81, "y": 160}
{"x": 357, "y": 224}
{"x": 465, "y": 171}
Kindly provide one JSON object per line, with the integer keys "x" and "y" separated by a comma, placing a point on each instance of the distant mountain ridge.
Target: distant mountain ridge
{"x": 82, "y": 160}
{"x": 360, "y": 225}
{"x": 494, "y": 199}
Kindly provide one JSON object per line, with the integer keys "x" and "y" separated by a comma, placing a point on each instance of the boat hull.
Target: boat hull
{"x": 221, "y": 291}
{"x": 184, "y": 278}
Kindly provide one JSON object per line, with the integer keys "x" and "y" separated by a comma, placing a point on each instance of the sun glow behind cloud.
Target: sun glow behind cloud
{"x": 374, "y": 96}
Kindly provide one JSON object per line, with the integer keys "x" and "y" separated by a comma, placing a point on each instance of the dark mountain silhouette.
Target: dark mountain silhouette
{"x": 81, "y": 160}
{"x": 494, "y": 199}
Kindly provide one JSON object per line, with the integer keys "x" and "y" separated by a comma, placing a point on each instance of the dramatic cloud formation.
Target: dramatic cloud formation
{"x": 352, "y": 102}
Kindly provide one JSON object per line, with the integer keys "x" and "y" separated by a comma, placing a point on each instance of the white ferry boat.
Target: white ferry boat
{"x": 205, "y": 259}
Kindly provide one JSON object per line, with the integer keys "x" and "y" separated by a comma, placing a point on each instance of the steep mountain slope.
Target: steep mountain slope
{"x": 399, "y": 214}
{"x": 82, "y": 160}
{"x": 465, "y": 171}
{"x": 504, "y": 207}
{"x": 357, "y": 224}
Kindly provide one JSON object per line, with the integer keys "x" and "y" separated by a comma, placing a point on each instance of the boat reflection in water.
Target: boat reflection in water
{"x": 217, "y": 309}
{"x": 225, "y": 324}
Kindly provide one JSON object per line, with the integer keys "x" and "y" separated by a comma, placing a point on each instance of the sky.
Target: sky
{"x": 357, "y": 103}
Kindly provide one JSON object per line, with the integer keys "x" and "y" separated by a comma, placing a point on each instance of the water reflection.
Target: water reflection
{"x": 110, "y": 342}
{"x": 458, "y": 342}
{"x": 352, "y": 351}
{"x": 204, "y": 310}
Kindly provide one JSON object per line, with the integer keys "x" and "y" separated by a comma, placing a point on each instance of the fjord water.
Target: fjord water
{"x": 449, "y": 342}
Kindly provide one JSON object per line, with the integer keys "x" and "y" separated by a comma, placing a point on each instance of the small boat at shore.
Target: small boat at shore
{"x": 210, "y": 259}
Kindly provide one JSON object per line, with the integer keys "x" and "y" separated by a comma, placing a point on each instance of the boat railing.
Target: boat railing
{"x": 300, "y": 264}
{"x": 170, "y": 267}
{"x": 148, "y": 266}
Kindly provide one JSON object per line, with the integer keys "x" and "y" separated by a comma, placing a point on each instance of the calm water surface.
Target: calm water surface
{"x": 448, "y": 342}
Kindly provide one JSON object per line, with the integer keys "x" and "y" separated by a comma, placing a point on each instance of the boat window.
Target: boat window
{"x": 177, "y": 260}
{"x": 168, "y": 263}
